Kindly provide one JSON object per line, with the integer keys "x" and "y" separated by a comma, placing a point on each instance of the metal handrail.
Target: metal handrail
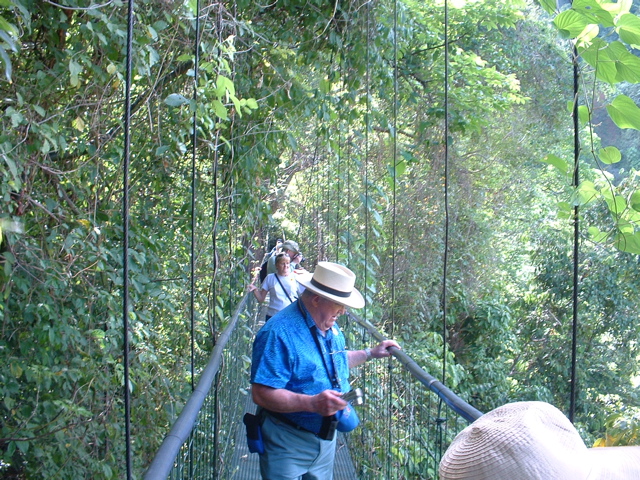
{"x": 457, "y": 404}
{"x": 163, "y": 462}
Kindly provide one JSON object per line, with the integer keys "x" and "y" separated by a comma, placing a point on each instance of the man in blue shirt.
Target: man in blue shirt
{"x": 299, "y": 371}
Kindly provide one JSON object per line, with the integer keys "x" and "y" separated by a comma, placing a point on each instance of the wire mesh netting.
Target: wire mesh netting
{"x": 405, "y": 427}
{"x": 406, "y": 422}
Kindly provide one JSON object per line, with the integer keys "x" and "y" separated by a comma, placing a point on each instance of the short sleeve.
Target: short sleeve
{"x": 270, "y": 365}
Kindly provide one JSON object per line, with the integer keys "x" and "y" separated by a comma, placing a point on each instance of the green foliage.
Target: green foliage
{"x": 321, "y": 122}
{"x": 604, "y": 35}
{"x": 621, "y": 429}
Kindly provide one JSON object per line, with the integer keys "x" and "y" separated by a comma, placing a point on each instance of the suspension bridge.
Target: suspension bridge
{"x": 407, "y": 420}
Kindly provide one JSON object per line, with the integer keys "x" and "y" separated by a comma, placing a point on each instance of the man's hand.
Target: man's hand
{"x": 382, "y": 349}
{"x": 327, "y": 403}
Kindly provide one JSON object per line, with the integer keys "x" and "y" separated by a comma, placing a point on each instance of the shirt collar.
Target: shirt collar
{"x": 311, "y": 324}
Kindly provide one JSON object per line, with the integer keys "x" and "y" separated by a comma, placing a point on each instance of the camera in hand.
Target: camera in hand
{"x": 354, "y": 396}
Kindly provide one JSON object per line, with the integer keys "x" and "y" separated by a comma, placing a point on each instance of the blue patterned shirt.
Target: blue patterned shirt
{"x": 286, "y": 355}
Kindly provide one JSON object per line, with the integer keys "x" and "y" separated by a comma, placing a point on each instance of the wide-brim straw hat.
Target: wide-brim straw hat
{"x": 335, "y": 282}
{"x": 532, "y": 440}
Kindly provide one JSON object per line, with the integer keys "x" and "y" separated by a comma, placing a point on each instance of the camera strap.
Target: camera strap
{"x": 283, "y": 289}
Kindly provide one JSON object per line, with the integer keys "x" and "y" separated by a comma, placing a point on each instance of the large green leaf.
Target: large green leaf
{"x": 557, "y": 162}
{"x": 624, "y": 112}
{"x": 634, "y": 201}
{"x": 585, "y": 193}
{"x": 570, "y": 23}
{"x": 613, "y": 62}
{"x": 628, "y": 242}
{"x": 619, "y": 7}
{"x": 609, "y": 155}
{"x": 548, "y": 5}
{"x": 593, "y": 12}
{"x": 628, "y": 27}
{"x": 598, "y": 55}
{"x": 627, "y": 64}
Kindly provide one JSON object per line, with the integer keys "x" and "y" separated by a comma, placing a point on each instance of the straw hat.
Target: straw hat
{"x": 335, "y": 282}
{"x": 532, "y": 440}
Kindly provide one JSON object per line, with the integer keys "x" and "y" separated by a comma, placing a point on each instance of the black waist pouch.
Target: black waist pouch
{"x": 328, "y": 428}
{"x": 254, "y": 432}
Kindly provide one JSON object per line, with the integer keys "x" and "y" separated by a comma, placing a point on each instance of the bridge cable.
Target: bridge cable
{"x": 192, "y": 266}
{"x": 367, "y": 117}
{"x": 576, "y": 249}
{"x": 445, "y": 260}
{"x": 125, "y": 239}
{"x": 394, "y": 159}
{"x": 337, "y": 190}
{"x": 440, "y": 420}
{"x": 194, "y": 146}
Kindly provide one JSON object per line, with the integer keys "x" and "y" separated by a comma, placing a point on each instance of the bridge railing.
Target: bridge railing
{"x": 408, "y": 418}
{"x": 202, "y": 441}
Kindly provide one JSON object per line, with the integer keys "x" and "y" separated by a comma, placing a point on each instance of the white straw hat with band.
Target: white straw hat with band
{"x": 532, "y": 441}
{"x": 335, "y": 282}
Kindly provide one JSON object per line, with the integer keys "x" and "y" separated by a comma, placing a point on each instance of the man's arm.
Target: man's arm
{"x": 358, "y": 357}
{"x": 325, "y": 403}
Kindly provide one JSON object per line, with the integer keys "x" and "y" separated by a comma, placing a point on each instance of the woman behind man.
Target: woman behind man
{"x": 281, "y": 286}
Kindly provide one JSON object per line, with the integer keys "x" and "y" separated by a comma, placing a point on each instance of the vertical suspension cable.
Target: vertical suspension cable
{"x": 348, "y": 211}
{"x": 192, "y": 266}
{"x": 367, "y": 116}
{"x": 125, "y": 240}
{"x": 440, "y": 419}
{"x": 394, "y": 179}
{"x": 445, "y": 259}
{"x": 394, "y": 159}
{"x": 337, "y": 203}
{"x": 194, "y": 147}
{"x": 576, "y": 249}
{"x": 214, "y": 260}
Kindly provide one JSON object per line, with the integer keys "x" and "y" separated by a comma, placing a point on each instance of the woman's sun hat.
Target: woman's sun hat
{"x": 532, "y": 441}
{"x": 335, "y": 282}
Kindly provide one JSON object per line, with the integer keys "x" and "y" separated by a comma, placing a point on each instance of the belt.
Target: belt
{"x": 327, "y": 430}
{"x": 287, "y": 420}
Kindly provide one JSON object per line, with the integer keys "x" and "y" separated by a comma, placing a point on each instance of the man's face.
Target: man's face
{"x": 327, "y": 312}
{"x": 292, "y": 254}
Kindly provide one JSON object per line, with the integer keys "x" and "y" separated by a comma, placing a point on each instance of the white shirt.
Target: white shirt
{"x": 277, "y": 296}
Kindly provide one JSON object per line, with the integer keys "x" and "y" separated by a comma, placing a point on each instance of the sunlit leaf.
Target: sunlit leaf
{"x": 78, "y": 124}
{"x": 624, "y": 112}
{"x": 628, "y": 27}
{"x": 74, "y": 69}
{"x": 596, "y": 235}
{"x": 570, "y": 23}
{"x": 619, "y": 7}
{"x": 634, "y": 201}
{"x": 176, "y": 100}
{"x": 219, "y": 109}
{"x": 583, "y": 114}
{"x": 593, "y": 12}
{"x": 617, "y": 204}
{"x": 609, "y": 155}
{"x": 557, "y": 162}
{"x": 548, "y": 5}
{"x": 585, "y": 193}
{"x": 628, "y": 243}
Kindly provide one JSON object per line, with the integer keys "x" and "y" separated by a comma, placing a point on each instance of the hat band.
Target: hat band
{"x": 332, "y": 291}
